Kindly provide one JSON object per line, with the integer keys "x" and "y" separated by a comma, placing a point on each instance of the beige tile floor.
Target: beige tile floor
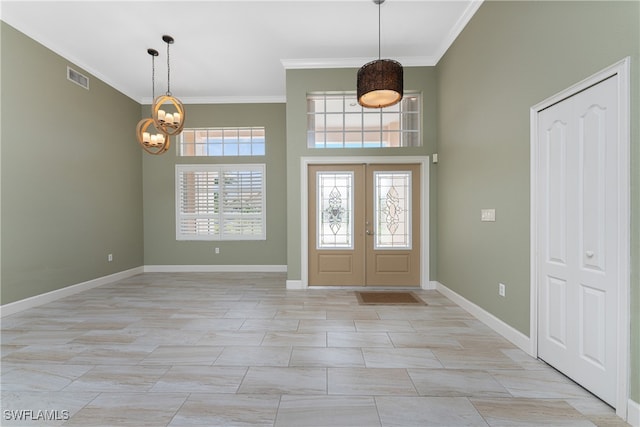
{"x": 240, "y": 350}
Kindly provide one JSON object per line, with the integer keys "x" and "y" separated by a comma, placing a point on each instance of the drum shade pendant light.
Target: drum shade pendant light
{"x": 167, "y": 111}
{"x": 380, "y": 82}
{"x": 152, "y": 143}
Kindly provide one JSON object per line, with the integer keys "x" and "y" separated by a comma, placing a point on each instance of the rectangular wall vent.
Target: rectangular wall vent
{"x": 78, "y": 78}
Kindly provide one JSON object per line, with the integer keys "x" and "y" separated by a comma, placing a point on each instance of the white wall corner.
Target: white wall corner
{"x": 633, "y": 413}
{"x": 34, "y": 301}
{"x": 516, "y": 337}
{"x": 295, "y": 285}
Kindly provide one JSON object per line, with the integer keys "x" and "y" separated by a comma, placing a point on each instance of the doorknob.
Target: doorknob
{"x": 369, "y": 233}
{"x": 589, "y": 254}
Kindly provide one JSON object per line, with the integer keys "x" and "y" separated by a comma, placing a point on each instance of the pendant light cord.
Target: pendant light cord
{"x": 153, "y": 77}
{"x": 168, "y": 72}
{"x": 379, "y": 20}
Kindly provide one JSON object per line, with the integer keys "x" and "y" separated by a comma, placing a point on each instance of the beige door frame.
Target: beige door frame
{"x": 423, "y": 161}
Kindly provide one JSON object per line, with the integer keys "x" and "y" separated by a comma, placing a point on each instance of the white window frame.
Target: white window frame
{"x": 252, "y": 141}
{"x": 354, "y": 125}
{"x": 222, "y": 216}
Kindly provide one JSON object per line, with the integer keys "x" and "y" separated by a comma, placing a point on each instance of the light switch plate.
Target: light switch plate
{"x": 488, "y": 215}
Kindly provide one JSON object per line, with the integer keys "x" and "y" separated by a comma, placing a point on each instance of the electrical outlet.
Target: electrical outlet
{"x": 110, "y": 257}
{"x": 217, "y": 250}
{"x": 501, "y": 289}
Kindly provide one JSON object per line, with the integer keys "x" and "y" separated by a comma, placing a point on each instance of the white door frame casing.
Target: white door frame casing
{"x": 423, "y": 161}
{"x": 621, "y": 69}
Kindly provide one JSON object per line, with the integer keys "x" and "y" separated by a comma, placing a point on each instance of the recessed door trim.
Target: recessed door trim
{"x": 621, "y": 69}
{"x": 423, "y": 161}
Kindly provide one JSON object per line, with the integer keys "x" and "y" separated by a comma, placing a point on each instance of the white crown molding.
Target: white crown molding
{"x": 318, "y": 63}
{"x": 457, "y": 28}
{"x": 274, "y": 99}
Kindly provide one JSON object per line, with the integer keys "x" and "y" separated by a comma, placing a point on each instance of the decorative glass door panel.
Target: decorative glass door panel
{"x": 364, "y": 225}
{"x": 335, "y": 201}
{"x": 392, "y": 210}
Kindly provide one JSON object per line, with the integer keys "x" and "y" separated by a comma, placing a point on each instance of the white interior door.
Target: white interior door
{"x": 578, "y": 237}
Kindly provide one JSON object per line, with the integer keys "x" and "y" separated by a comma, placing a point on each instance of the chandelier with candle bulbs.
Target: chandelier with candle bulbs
{"x": 167, "y": 113}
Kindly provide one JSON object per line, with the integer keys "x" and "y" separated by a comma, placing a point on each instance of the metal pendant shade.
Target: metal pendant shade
{"x": 380, "y": 83}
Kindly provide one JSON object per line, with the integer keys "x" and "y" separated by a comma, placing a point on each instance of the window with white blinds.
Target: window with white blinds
{"x": 220, "y": 202}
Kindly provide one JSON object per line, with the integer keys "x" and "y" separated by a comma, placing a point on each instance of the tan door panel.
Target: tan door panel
{"x": 393, "y": 219}
{"x": 336, "y": 224}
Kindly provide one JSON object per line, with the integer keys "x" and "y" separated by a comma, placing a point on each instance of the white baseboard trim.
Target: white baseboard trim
{"x": 633, "y": 413}
{"x": 295, "y": 285}
{"x": 430, "y": 286}
{"x": 34, "y": 301}
{"x": 516, "y": 337}
{"x": 215, "y": 268}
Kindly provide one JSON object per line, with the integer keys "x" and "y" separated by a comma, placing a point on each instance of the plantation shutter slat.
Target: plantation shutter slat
{"x": 220, "y": 202}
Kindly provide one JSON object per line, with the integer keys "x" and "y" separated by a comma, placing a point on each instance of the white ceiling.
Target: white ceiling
{"x": 235, "y": 50}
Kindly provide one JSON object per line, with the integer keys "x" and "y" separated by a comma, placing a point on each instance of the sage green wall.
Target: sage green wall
{"x": 161, "y": 246}
{"x": 299, "y": 83}
{"x": 511, "y": 56}
{"x": 71, "y": 176}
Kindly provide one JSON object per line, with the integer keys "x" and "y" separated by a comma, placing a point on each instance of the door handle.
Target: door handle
{"x": 589, "y": 254}
{"x": 369, "y": 233}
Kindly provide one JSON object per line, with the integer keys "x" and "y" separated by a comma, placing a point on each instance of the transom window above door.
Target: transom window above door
{"x": 336, "y": 120}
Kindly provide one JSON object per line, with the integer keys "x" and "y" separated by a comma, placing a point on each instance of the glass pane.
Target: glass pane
{"x": 390, "y": 121}
{"x": 334, "y": 122}
{"x": 353, "y": 122}
{"x": 372, "y": 139}
{"x": 410, "y": 103}
{"x": 334, "y": 104}
{"x": 391, "y": 139}
{"x": 258, "y": 134}
{"x": 353, "y": 139}
{"x": 392, "y": 210}
{"x": 315, "y": 104}
{"x": 214, "y": 150}
{"x": 335, "y": 210}
{"x": 335, "y": 139}
{"x": 371, "y": 121}
{"x": 258, "y": 149}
